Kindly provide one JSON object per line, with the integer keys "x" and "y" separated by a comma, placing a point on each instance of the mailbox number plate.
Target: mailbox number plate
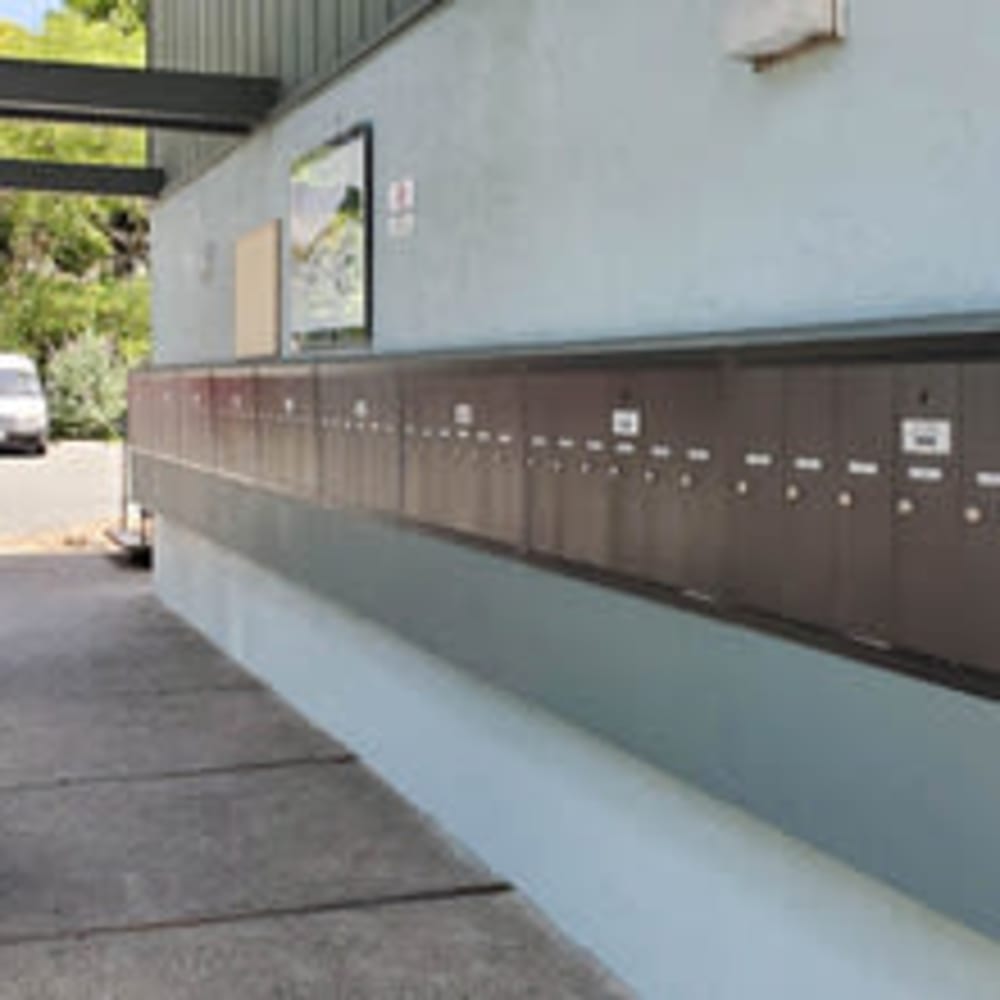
{"x": 927, "y": 437}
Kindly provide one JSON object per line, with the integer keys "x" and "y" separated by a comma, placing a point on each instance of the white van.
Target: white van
{"x": 24, "y": 414}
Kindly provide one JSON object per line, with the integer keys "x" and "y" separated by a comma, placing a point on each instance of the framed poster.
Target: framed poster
{"x": 330, "y": 252}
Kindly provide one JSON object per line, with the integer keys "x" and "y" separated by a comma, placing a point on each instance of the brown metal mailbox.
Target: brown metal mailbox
{"x": 685, "y": 531}
{"x": 754, "y": 422}
{"x": 370, "y": 433}
{"x": 141, "y": 415}
{"x": 862, "y": 485}
{"x": 333, "y": 413}
{"x": 584, "y": 466}
{"x": 427, "y": 443}
{"x": 166, "y": 403}
{"x": 287, "y": 412}
{"x": 629, "y": 474}
{"x": 234, "y": 405}
{"x": 483, "y": 460}
{"x": 544, "y": 466}
{"x": 978, "y": 637}
{"x": 926, "y": 537}
{"x": 808, "y": 549}
{"x": 197, "y": 431}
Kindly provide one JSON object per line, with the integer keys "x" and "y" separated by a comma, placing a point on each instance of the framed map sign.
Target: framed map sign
{"x": 330, "y": 266}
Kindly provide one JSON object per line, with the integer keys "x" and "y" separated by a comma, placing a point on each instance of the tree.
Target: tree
{"x": 72, "y": 265}
{"x": 128, "y": 15}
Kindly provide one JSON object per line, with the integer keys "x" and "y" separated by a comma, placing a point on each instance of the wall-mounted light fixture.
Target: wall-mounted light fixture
{"x": 763, "y": 31}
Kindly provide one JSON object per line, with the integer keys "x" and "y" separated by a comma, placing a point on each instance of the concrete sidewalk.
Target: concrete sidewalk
{"x": 168, "y": 829}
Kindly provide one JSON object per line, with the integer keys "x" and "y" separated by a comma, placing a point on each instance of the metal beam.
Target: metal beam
{"x": 81, "y": 178}
{"x": 155, "y": 98}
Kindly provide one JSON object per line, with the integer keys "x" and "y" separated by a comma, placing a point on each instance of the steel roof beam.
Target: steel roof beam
{"x": 153, "y": 98}
{"x": 80, "y": 178}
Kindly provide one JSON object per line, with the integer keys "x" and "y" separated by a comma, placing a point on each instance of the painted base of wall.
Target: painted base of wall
{"x": 679, "y": 895}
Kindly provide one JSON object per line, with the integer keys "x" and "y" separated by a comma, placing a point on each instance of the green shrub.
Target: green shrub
{"x": 87, "y": 389}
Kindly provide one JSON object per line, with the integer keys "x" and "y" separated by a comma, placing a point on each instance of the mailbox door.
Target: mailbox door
{"x": 498, "y": 456}
{"x": 808, "y": 549}
{"x": 196, "y": 445}
{"x": 978, "y": 640}
{"x": 754, "y": 426}
{"x": 543, "y": 404}
{"x": 926, "y": 605}
{"x": 167, "y": 395}
{"x": 462, "y": 405}
{"x": 701, "y": 482}
{"x": 333, "y": 408}
{"x": 299, "y": 412}
{"x": 585, "y": 494}
{"x": 235, "y": 404}
{"x": 629, "y": 499}
{"x": 386, "y": 444}
{"x": 665, "y": 394}
{"x": 863, "y": 488}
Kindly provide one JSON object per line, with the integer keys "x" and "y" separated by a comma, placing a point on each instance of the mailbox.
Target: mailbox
{"x": 807, "y": 552}
{"x": 234, "y": 405}
{"x": 629, "y": 484}
{"x": 197, "y": 440}
{"x": 543, "y": 461}
{"x": 427, "y": 438}
{"x": 368, "y": 431}
{"x": 685, "y": 531}
{"x": 863, "y": 484}
{"x": 586, "y": 465}
{"x": 486, "y": 476}
{"x": 754, "y": 425}
{"x": 287, "y": 420}
{"x": 978, "y": 637}
{"x": 926, "y": 537}
{"x": 166, "y": 402}
{"x": 333, "y": 415}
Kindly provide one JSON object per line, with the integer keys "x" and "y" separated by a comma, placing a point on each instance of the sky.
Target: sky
{"x": 28, "y": 12}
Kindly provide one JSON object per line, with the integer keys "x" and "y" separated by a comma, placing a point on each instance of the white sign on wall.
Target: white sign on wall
{"x": 401, "y": 205}
{"x": 760, "y": 30}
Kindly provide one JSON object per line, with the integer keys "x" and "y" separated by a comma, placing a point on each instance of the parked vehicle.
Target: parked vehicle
{"x": 24, "y": 413}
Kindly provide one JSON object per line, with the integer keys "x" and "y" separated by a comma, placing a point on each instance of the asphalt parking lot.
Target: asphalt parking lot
{"x": 78, "y": 483}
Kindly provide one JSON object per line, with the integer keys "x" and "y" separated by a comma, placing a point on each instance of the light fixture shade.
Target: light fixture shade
{"x": 760, "y": 30}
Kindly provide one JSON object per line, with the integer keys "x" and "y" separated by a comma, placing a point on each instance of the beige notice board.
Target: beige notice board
{"x": 258, "y": 292}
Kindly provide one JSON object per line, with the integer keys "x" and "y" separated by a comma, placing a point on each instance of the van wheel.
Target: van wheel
{"x": 41, "y": 447}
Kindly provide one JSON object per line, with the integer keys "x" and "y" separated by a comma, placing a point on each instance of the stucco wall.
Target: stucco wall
{"x": 588, "y": 169}
{"x": 682, "y": 896}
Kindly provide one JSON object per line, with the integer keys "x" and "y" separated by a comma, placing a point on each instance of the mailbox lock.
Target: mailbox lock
{"x": 557, "y": 466}
{"x": 793, "y": 493}
{"x": 973, "y": 515}
{"x": 905, "y": 507}
{"x": 742, "y": 488}
{"x": 586, "y": 468}
{"x": 649, "y": 477}
{"x": 529, "y": 462}
{"x": 686, "y": 481}
{"x": 845, "y": 500}
{"x": 614, "y": 471}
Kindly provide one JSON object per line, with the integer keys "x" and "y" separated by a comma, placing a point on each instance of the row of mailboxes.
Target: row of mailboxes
{"x": 863, "y": 498}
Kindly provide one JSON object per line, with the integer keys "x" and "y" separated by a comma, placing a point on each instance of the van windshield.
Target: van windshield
{"x": 18, "y": 383}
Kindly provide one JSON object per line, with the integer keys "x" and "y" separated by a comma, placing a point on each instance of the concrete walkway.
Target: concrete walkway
{"x": 168, "y": 829}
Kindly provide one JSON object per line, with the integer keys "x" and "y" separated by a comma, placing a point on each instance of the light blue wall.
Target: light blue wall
{"x": 586, "y": 169}
{"x": 681, "y": 896}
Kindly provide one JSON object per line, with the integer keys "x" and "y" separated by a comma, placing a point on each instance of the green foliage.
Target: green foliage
{"x": 128, "y": 15}
{"x": 75, "y": 267}
{"x": 87, "y": 388}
